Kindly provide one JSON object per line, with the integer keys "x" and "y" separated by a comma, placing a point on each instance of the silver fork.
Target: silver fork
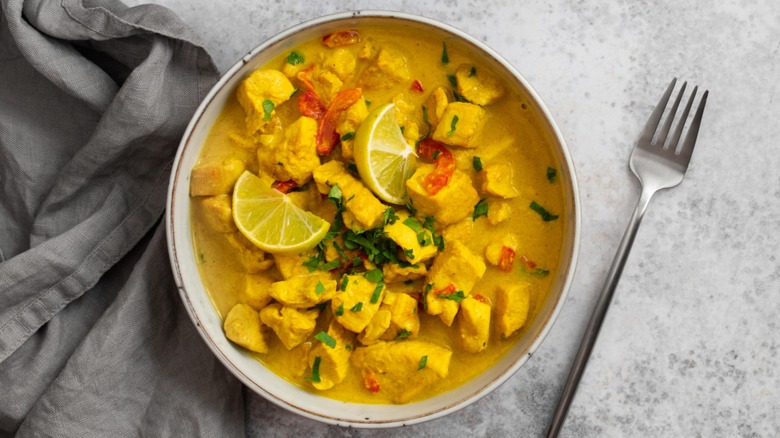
{"x": 658, "y": 167}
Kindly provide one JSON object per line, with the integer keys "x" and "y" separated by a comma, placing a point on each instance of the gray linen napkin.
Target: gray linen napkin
{"x": 94, "y": 341}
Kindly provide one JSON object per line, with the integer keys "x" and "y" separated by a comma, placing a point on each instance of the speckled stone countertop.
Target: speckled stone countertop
{"x": 690, "y": 344}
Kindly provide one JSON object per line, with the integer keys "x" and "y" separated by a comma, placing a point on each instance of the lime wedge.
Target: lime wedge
{"x": 270, "y": 220}
{"x": 383, "y": 157}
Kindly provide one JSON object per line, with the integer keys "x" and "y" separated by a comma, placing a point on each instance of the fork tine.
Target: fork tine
{"x": 652, "y": 122}
{"x": 673, "y": 142}
{"x": 686, "y": 150}
{"x": 661, "y": 139}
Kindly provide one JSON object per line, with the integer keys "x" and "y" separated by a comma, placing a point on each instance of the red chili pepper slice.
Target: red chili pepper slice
{"x": 442, "y": 159}
{"x": 527, "y": 262}
{"x": 416, "y": 86}
{"x": 506, "y": 258}
{"x": 371, "y": 383}
{"x": 310, "y": 105}
{"x": 327, "y": 137}
{"x": 341, "y": 38}
{"x": 450, "y": 289}
{"x": 285, "y": 186}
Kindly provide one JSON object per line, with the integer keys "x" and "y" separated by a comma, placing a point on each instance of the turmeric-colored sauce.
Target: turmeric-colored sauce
{"x": 496, "y": 239}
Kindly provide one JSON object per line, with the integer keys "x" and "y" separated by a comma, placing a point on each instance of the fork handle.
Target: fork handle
{"x": 594, "y": 326}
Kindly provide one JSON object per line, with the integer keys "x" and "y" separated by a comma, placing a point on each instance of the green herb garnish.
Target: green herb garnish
{"x": 340, "y": 310}
{"x": 325, "y": 339}
{"x": 377, "y": 292}
{"x": 268, "y": 107}
{"x": 348, "y": 136}
{"x": 374, "y": 275}
{"x": 343, "y": 286}
{"x": 453, "y": 81}
{"x": 445, "y": 57}
{"x": 453, "y": 124}
{"x": 552, "y": 174}
{"x": 457, "y": 296}
{"x": 295, "y": 58}
{"x": 357, "y": 307}
{"x": 481, "y": 209}
{"x": 423, "y": 363}
{"x": 546, "y": 215}
{"x": 477, "y": 163}
{"x": 335, "y": 195}
{"x": 320, "y": 288}
{"x": 403, "y": 334}
{"x": 473, "y": 72}
{"x": 428, "y": 289}
{"x": 389, "y": 216}
{"x": 315, "y": 370}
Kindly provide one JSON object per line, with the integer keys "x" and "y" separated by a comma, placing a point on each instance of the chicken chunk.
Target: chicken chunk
{"x": 341, "y": 62}
{"x": 349, "y": 123}
{"x": 401, "y": 369}
{"x": 474, "y": 324}
{"x": 365, "y": 210}
{"x": 478, "y": 85}
{"x": 414, "y": 240}
{"x": 295, "y": 156}
{"x": 333, "y": 360}
{"x": 496, "y": 179}
{"x": 375, "y": 328}
{"x": 292, "y": 326}
{"x": 435, "y": 105}
{"x": 305, "y": 291}
{"x": 388, "y": 69}
{"x": 216, "y": 178}
{"x": 513, "y": 302}
{"x": 459, "y": 124}
{"x": 459, "y": 231}
{"x": 242, "y": 326}
{"x": 260, "y": 93}
{"x": 456, "y": 266}
{"x": 256, "y": 291}
{"x": 453, "y": 203}
{"x": 393, "y": 272}
{"x": 498, "y": 211}
{"x": 252, "y": 258}
{"x": 404, "y": 320}
{"x": 355, "y": 307}
{"x": 218, "y": 213}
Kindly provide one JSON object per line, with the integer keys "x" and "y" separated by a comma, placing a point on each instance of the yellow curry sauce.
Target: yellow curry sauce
{"x": 514, "y": 227}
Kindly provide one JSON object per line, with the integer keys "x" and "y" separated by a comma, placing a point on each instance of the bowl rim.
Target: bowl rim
{"x": 574, "y": 206}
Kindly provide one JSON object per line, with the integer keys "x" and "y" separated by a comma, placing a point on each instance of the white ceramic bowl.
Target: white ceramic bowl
{"x": 258, "y": 377}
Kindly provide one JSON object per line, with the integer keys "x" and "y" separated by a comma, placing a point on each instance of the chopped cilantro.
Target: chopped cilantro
{"x": 410, "y": 207}
{"x": 357, "y": 307}
{"x": 348, "y": 347}
{"x": 333, "y": 264}
{"x": 352, "y": 167}
{"x": 453, "y": 124}
{"x": 268, "y": 107}
{"x": 437, "y": 153}
{"x": 540, "y": 272}
{"x": 335, "y": 195}
{"x": 295, "y": 58}
{"x": 315, "y": 370}
{"x": 368, "y": 102}
{"x": 403, "y": 334}
{"x": 552, "y": 174}
{"x": 343, "y": 286}
{"x": 481, "y": 209}
{"x": 389, "y": 216}
{"x": 340, "y": 310}
{"x": 295, "y": 91}
{"x": 473, "y": 72}
{"x": 374, "y": 275}
{"x": 423, "y": 363}
{"x": 314, "y": 262}
{"x": 455, "y": 296}
{"x": 413, "y": 224}
{"x": 453, "y": 81}
{"x": 477, "y": 163}
{"x": 445, "y": 57}
{"x": 377, "y": 292}
{"x": 409, "y": 253}
{"x": 458, "y": 97}
{"x": 320, "y": 288}
{"x": 546, "y": 215}
{"x": 348, "y": 136}
{"x": 425, "y": 116}
{"x": 325, "y": 339}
